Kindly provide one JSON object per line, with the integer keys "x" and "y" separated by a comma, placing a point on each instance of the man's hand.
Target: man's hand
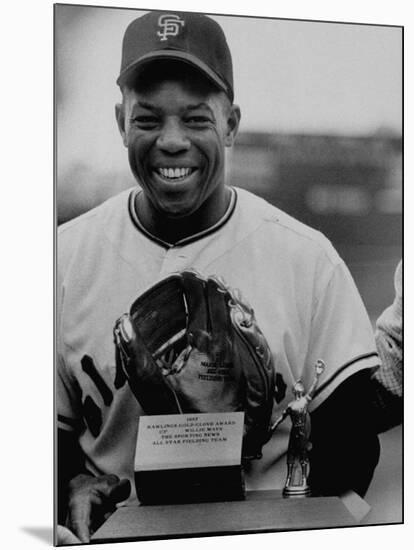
{"x": 92, "y": 500}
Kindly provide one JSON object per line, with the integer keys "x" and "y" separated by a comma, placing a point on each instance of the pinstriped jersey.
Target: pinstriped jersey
{"x": 303, "y": 295}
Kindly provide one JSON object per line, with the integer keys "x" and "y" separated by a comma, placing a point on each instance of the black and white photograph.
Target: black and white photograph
{"x": 229, "y": 274}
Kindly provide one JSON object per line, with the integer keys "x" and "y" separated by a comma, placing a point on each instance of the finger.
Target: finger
{"x": 130, "y": 341}
{"x": 154, "y": 321}
{"x": 107, "y": 491}
{"x": 218, "y": 298}
{"x": 110, "y": 488}
{"x": 120, "y": 377}
{"x": 194, "y": 291}
{"x": 144, "y": 376}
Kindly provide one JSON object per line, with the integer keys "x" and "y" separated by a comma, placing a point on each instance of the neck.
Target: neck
{"x": 172, "y": 230}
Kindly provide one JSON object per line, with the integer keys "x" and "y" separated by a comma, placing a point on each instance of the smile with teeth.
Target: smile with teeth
{"x": 174, "y": 174}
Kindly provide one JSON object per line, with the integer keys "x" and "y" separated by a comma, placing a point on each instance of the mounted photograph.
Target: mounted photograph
{"x": 229, "y": 265}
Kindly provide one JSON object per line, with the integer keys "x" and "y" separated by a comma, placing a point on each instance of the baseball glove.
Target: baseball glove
{"x": 191, "y": 344}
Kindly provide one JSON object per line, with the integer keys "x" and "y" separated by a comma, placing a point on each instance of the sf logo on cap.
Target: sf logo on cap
{"x": 170, "y": 25}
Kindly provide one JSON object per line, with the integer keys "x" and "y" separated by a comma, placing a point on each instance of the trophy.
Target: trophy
{"x": 299, "y": 445}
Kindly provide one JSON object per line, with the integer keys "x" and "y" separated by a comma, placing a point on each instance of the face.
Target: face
{"x": 298, "y": 390}
{"x": 176, "y": 133}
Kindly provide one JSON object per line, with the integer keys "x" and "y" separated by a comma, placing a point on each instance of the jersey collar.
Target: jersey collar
{"x": 225, "y": 218}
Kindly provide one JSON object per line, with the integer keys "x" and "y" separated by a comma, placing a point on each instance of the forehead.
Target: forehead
{"x": 174, "y": 81}
{"x": 171, "y": 94}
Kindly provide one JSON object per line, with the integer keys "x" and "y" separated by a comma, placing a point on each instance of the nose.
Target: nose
{"x": 172, "y": 138}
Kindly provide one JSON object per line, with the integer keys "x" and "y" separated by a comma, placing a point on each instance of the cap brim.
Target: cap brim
{"x": 176, "y": 55}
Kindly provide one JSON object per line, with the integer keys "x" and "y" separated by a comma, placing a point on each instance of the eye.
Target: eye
{"x": 198, "y": 120}
{"x": 145, "y": 122}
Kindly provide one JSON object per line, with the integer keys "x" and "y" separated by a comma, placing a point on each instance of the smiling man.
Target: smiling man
{"x": 176, "y": 126}
{"x": 176, "y": 119}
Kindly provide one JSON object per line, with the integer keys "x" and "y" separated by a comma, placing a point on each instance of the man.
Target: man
{"x": 176, "y": 118}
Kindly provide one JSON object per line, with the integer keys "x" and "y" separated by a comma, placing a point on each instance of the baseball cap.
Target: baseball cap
{"x": 192, "y": 38}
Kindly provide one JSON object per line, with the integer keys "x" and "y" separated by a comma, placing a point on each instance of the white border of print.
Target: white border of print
{"x": 27, "y": 280}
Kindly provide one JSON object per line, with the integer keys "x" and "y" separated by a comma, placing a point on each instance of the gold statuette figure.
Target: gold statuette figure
{"x": 299, "y": 444}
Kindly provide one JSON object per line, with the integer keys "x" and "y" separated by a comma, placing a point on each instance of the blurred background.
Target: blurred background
{"x": 321, "y": 138}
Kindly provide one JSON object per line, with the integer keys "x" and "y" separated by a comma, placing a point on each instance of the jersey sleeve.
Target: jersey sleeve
{"x": 341, "y": 335}
{"x": 67, "y": 391}
{"x": 388, "y": 338}
{"x": 67, "y": 408}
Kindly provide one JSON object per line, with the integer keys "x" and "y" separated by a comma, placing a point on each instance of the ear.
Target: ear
{"x": 233, "y": 121}
{"x": 120, "y": 119}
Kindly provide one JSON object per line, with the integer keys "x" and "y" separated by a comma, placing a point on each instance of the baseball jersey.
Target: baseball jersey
{"x": 304, "y": 299}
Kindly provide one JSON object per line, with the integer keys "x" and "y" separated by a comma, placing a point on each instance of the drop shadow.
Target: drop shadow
{"x": 44, "y": 534}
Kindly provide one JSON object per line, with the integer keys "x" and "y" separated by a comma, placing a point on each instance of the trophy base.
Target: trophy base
{"x": 297, "y": 491}
{"x": 190, "y": 485}
{"x": 259, "y": 512}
